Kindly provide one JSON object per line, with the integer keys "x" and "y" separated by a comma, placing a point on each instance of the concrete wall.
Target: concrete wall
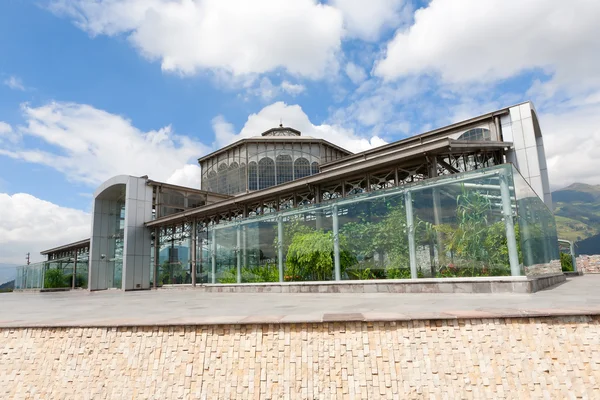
{"x": 137, "y": 196}
{"x": 474, "y": 358}
{"x": 521, "y": 127}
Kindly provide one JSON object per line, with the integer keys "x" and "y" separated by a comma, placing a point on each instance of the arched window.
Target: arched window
{"x": 233, "y": 179}
{"x": 242, "y": 175}
{"x": 314, "y": 167}
{"x": 284, "y": 168}
{"x": 476, "y": 135}
{"x": 301, "y": 168}
{"x": 212, "y": 181}
{"x": 266, "y": 173}
{"x": 222, "y": 179}
{"x": 252, "y": 176}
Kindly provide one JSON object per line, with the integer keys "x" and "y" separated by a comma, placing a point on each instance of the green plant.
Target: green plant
{"x": 310, "y": 256}
{"x": 172, "y": 273}
{"x": 54, "y": 278}
{"x": 80, "y": 280}
{"x": 257, "y": 274}
{"x": 477, "y": 245}
{"x": 566, "y": 262}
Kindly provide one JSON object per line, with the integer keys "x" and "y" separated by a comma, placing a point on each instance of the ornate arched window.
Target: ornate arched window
{"x": 233, "y": 179}
{"x": 314, "y": 168}
{"x": 212, "y": 181}
{"x": 476, "y": 135}
{"x": 284, "y": 168}
{"x": 266, "y": 173}
{"x": 222, "y": 178}
{"x": 242, "y": 175}
{"x": 301, "y": 168}
{"x": 252, "y": 176}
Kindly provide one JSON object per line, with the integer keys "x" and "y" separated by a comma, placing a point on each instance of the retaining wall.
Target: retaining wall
{"x": 589, "y": 264}
{"x": 517, "y": 358}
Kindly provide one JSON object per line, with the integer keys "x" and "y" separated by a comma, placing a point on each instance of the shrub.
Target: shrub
{"x": 566, "y": 262}
{"x": 54, "y": 278}
{"x": 310, "y": 256}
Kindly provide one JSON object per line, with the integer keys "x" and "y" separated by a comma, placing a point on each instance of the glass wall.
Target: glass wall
{"x": 451, "y": 226}
{"x": 54, "y": 274}
{"x": 537, "y": 228}
{"x": 174, "y": 255}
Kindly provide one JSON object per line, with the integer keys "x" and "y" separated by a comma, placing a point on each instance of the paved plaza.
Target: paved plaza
{"x": 578, "y": 296}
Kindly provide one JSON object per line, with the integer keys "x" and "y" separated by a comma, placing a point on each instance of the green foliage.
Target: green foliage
{"x": 257, "y": 274}
{"x": 173, "y": 273}
{"x": 310, "y": 256}
{"x": 379, "y": 230}
{"x": 80, "y": 280}
{"x": 54, "y": 278}
{"x": 566, "y": 262}
{"x": 478, "y": 247}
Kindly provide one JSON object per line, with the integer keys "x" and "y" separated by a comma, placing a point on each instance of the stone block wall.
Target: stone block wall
{"x": 553, "y": 267}
{"x": 442, "y": 359}
{"x": 589, "y": 264}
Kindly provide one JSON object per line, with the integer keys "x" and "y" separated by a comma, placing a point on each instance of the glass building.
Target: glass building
{"x": 468, "y": 200}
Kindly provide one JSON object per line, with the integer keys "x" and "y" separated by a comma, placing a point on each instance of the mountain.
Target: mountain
{"x": 8, "y": 272}
{"x": 7, "y": 287}
{"x": 577, "y": 211}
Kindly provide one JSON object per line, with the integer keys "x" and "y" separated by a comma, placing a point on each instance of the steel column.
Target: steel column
{"x": 336, "y": 243}
{"x": 194, "y": 250}
{"x": 239, "y": 253}
{"x": 511, "y": 241}
{"x": 280, "y": 247}
{"x": 412, "y": 253}
{"x": 74, "y": 269}
{"x": 213, "y": 255}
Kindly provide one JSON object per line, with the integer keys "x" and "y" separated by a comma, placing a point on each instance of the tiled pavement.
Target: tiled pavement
{"x": 578, "y": 296}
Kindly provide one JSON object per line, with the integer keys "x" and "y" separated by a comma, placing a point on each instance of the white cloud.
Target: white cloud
{"x": 267, "y": 91}
{"x": 571, "y": 141}
{"x": 189, "y": 176}
{"x": 486, "y": 41}
{"x": 356, "y": 73}
{"x": 91, "y": 145}
{"x": 293, "y": 89}
{"x": 28, "y": 224}
{"x": 239, "y": 36}
{"x": 292, "y": 116}
{"x": 15, "y": 83}
{"x": 367, "y": 20}
{"x": 7, "y": 134}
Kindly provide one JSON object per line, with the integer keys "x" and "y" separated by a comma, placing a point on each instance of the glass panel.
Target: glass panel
{"x": 203, "y": 264}
{"x": 373, "y": 239}
{"x": 259, "y": 251}
{"x": 460, "y": 230}
{"x": 226, "y": 254}
{"x": 308, "y": 245}
{"x": 174, "y": 256}
{"x": 537, "y": 230}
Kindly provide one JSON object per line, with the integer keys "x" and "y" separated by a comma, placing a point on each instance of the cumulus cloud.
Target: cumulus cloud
{"x": 189, "y": 176}
{"x": 28, "y": 224}
{"x": 292, "y": 116}
{"x": 15, "y": 83}
{"x": 239, "y": 36}
{"x": 90, "y": 145}
{"x": 571, "y": 141}
{"x": 367, "y": 20}
{"x": 267, "y": 90}
{"x": 356, "y": 73}
{"x": 7, "y": 134}
{"x": 485, "y": 41}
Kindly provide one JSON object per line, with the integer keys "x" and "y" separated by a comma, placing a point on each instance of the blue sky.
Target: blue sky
{"x": 91, "y": 89}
